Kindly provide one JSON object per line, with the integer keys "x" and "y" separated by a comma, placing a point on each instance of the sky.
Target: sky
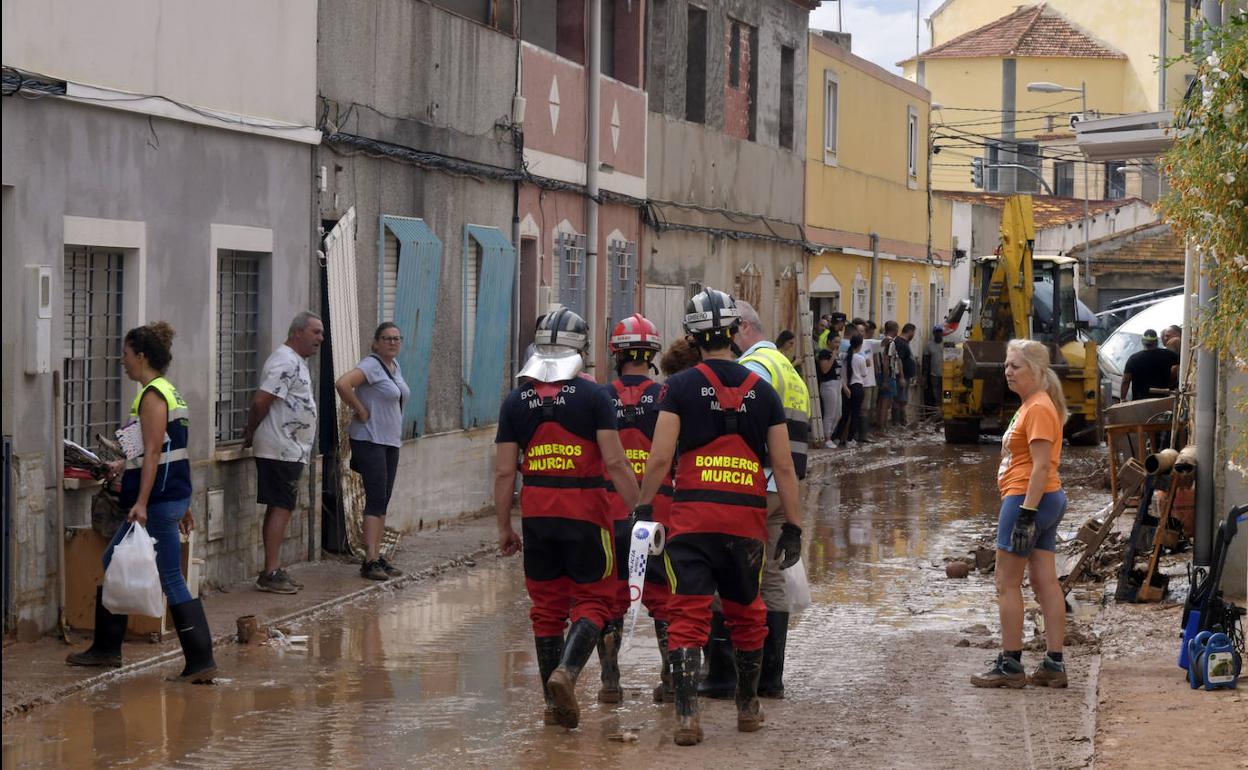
{"x": 883, "y": 30}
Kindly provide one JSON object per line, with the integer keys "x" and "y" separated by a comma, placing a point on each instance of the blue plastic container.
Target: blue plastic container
{"x": 1218, "y": 663}
{"x": 1196, "y": 648}
{"x": 1189, "y": 632}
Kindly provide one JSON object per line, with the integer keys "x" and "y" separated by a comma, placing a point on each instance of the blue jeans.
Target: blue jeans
{"x": 162, "y": 525}
{"x": 1049, "y": 514}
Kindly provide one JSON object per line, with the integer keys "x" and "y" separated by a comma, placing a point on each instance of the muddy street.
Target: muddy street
{"x": 442, "y": 673}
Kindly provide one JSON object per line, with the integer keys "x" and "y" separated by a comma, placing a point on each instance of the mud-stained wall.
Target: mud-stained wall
{"x": 169, "y": 183}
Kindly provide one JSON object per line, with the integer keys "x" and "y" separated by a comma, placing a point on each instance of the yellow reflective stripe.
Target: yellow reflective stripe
{"x": 671, "y": 573}
{"x": 609, "y": 549}
{"x": 165, "y": 457}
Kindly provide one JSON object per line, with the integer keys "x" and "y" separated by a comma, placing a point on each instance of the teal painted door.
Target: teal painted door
{"x": 415, "y": 308}
{"x": 489, "y": 273}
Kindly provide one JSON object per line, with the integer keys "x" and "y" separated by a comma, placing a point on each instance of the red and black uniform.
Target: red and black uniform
{"x": 636, "y": 399}
{"x": 568, "y": 557}
{"x": 719, "y": 511}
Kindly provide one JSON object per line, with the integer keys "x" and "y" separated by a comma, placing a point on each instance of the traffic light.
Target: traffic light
{"x": 977, "y": 172}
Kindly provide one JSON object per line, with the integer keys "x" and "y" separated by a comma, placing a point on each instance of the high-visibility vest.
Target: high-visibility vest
{"x": 173, "y": 474}
{"x": 793, "y": 394}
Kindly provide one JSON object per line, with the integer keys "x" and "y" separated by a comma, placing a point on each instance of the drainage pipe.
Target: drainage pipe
{"x": 593, "y": 110}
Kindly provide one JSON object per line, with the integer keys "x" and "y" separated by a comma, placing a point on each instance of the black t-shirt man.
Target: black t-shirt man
{"x": 1150, "y": 368}
{"x": 834, "y": 373}
{"x": 583, "y": 408}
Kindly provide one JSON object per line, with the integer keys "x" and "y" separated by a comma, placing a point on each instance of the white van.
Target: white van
{"x": 1128, "y": 338}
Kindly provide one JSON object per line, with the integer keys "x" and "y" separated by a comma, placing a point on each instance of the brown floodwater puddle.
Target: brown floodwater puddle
{"x": 442, "y": 673}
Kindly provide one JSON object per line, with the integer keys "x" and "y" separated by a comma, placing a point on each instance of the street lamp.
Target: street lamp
{"x": 1045, "y": 87}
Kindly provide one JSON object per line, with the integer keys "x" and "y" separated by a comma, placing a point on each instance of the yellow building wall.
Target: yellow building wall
{"x": 849, "y": 268}
{"x": 1131, "y": 26}
{"x": 867, "y": 187}
{"x": 969, "y": 92}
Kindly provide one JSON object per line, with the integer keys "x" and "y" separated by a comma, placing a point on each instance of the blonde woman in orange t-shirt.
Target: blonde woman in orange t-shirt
{"x": 1032, "y": 505}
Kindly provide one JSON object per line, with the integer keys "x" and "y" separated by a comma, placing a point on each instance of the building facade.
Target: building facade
{"x": 883, "y": 243}
{"x": 726, "y": 81}
{"x": 146, "y": 177}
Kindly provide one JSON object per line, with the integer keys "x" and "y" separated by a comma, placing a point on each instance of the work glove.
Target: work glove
{"x": 643, "y": 512}
{"x": 788, "y": 545}
{"x": 1023, "y": 537}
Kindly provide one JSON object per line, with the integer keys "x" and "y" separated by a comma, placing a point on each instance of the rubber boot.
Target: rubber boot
{"x": 771, "y": 680}
{"x": 720, "y": 681}
{"x": 582, "y": 639}
{"x": 192, "y": 627}
{"x": 749, "y": 710}
{"x": 663, "y": 692}
{"x": 685, "y": 663}
{"x": 609, "y": 657}
{"x": 110, "y": 630}
{"x": 549, "y": 651}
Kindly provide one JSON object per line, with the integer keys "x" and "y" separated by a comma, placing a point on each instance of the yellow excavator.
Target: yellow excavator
{"x": 1007, "y": 284}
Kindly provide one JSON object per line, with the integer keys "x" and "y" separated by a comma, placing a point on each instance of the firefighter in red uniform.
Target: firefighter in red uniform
{"x": 565, "y": 427}
{"x": 635, "y": 343}
{"x": 727, "y": 424}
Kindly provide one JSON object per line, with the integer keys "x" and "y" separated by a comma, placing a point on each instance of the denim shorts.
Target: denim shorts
{"x": 1049, "y": 514}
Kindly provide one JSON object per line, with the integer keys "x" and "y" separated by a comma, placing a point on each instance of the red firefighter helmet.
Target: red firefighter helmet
{"x": 635, "y": 333}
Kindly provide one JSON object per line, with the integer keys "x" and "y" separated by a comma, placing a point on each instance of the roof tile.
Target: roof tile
{"x": 1046, "y": 210}
{"x": 1033, "y": 30}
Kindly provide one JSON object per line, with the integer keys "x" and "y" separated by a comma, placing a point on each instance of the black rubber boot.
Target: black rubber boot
{"x": 110, "y": 630}
{"x": 771, "y": 680}
{"x": 720, "y": 681}
{"x": 685, "y": 662}
{"x": 549, "y": 651}
{"x": 663, "y": 692}
{"x": 192, "y": 627}
{"x": 749, "y": 710}
{"x": 582, "y": 639}
{"x": 609, "y": 657}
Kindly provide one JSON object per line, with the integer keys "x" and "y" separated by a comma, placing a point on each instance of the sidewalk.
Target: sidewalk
{"x": 35, "y": 673}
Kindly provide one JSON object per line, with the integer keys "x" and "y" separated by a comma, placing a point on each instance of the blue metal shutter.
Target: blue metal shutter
{"x": 483, "y": 379}
{"x": 415, "y": 308}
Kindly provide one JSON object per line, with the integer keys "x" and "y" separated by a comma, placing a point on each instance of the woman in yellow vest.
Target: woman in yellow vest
{"x": 156, "y": 487}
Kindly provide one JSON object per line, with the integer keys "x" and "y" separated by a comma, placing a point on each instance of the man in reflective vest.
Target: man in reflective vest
{"x": 727, "y": 423}
{"x": 561, "y": 430}
{"x": 772, "y": 366}
{"x": 634, "y": 343}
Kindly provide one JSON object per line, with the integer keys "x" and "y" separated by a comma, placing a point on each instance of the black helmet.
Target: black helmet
{"x": 564, "y": 328}
{"x": 709, "y": 311}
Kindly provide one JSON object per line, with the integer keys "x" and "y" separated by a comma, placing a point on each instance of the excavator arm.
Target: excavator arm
{"x": 1006, "y": 305}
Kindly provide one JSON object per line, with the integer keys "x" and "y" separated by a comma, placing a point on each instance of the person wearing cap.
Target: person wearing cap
{"x": 560, "y": 430}
{"x": 1149, "y": 368}
{"x": 724, "y": 423}
{"x": 634, "y": 343}
{"x": 933, "y": 364}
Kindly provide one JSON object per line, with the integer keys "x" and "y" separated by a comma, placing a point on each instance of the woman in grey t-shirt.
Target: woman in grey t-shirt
{"x": 376, "y": 393}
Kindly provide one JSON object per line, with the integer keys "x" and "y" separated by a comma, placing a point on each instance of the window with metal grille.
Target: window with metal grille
{"x": 93, "y": 292}
{"x": 570, "y": 252}
{"x": 238, "y": 340}
{"x": 890, "y": 301}
{"x": 861, "y": 301}
{"x": 622, "y": 259}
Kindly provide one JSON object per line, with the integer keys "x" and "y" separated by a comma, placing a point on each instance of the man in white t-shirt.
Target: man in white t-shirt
{"x": 280, "y": 428}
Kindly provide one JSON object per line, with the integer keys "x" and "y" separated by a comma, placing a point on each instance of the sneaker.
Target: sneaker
{"x": 373, "y": 570}
{"x": 288, "y": 578}
{"x": 829, "y": 445}
{"x": 390, "y": 569}
{"x": 275, "y": 582}
{"x": 1005, "y": 672}
{"x": 1050, "y": 673}
{"x": 850, "y": 445}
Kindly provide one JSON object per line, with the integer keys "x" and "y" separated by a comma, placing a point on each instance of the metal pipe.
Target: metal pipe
{"x": 1206, "y": 387}
{"x": 875, "y": 271}
{"x": 517, "y": 143}
{"x": 1161, "y": 462}
{"x": 591, "y": 178}
{"x": 58, "y": 475}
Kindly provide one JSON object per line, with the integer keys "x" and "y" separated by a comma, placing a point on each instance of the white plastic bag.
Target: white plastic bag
{"x": 132, "y": 581}
{"x": 796, "y": 587}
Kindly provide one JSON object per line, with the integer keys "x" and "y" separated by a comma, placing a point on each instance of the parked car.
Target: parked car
{"x": 1127, "y": 339}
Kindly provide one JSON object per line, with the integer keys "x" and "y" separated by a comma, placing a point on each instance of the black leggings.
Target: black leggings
{"x": 378, "y": 464}
{"x": 851, "y": 414}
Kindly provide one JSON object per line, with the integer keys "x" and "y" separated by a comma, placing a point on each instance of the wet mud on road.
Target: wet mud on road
{"x": 443, "y": 674}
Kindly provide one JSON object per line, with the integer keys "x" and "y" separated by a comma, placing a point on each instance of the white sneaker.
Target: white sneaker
{"x": 851, "y": 444}
{"x": 829, "y": 445}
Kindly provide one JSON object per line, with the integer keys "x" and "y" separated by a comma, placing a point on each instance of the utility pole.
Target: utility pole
{"x": 593, "y": 120}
